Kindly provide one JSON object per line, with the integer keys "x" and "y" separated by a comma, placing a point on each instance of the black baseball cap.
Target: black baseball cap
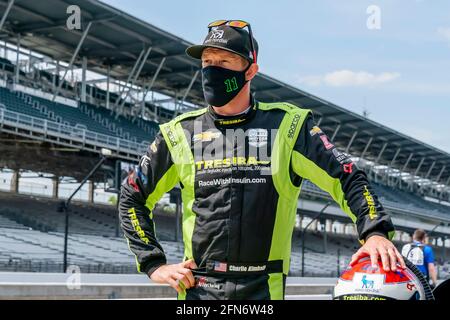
{"x": 227, "y": 38}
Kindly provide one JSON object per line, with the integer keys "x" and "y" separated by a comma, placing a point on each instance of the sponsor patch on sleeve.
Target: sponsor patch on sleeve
{"x": 153, "y": 147}
{"x": 328, "y": 145}
{"x": 315, "y": 130}
{"x": 348, "y": 167}
{"x": 370, "y": 203}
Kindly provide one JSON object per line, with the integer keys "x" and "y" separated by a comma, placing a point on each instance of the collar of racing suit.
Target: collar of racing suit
{"x": 235, "y": 120}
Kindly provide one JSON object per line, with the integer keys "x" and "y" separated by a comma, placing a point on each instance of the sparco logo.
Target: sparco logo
{"x": 293, "y": 126}
{"x": 171, "y": 137}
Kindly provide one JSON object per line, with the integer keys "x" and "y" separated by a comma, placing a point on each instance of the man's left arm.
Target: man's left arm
{"x": 430, "y": 264}
{"x": 315, "y": 158}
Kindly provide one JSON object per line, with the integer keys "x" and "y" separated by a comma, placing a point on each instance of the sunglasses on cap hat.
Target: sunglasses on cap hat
{"x": 240, "y": 24}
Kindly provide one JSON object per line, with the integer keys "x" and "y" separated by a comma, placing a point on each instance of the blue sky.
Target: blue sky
{"x": 400, "y": 73}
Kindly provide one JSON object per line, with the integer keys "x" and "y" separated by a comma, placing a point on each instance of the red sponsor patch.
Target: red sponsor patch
{"x": 132, "y": 183}
{"x": 328, "y": 145}
{"x": 348, "y": 167}
{"x": 201, "y": 282}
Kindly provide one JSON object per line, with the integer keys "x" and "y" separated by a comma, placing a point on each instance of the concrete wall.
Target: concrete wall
{"x": 118, "y": 286}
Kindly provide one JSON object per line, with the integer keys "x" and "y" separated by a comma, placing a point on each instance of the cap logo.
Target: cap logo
{"x": 216, "y": 34}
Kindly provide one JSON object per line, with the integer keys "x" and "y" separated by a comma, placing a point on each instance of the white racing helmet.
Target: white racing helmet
{"x": 363, "y": 282}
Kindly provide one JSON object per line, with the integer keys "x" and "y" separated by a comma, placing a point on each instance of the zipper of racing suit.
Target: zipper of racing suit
{"x": 240, "y": 188}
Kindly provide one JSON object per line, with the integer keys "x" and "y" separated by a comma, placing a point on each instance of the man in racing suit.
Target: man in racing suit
{"x": 240, "y": 176}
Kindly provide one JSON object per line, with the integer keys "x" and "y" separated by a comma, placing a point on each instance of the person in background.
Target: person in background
{"x": 421, "y": 254}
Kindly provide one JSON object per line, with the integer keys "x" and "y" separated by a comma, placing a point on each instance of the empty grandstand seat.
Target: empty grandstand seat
{"x": 14, "y": 103}
{"x": 96, "y": 119}
{"x": 393, "y": 197}
{"x": 139, "y": 131}
{"x": 41, "y": 213}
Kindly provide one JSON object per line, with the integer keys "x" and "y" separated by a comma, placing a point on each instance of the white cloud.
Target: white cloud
{"x": 348, "y": 78}
{"x": 444, "y": 33}
{"x": 311, "y": 80}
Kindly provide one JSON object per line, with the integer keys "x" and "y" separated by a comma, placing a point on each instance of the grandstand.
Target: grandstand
{"x": 142, "y": 79}
{"x": 86, "y": 116}
{"x": 31, "y": 234}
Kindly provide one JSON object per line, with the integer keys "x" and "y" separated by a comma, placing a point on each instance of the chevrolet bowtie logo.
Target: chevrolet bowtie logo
{"x": 206, "y": 136}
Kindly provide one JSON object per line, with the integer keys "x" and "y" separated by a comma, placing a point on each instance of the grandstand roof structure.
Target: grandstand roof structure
{"x": 113, "y": 41}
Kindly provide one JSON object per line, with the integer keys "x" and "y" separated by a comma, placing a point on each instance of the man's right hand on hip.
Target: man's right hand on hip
{"x": 179, "y": 276}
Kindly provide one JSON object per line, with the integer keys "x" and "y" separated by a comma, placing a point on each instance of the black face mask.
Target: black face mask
{"x": 221, "y": 85}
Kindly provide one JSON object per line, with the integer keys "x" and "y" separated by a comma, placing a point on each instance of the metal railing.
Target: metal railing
{"x": 80, "y": 136}
{"x": 20, "y": 265}
{"x": 393, "y": 206}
